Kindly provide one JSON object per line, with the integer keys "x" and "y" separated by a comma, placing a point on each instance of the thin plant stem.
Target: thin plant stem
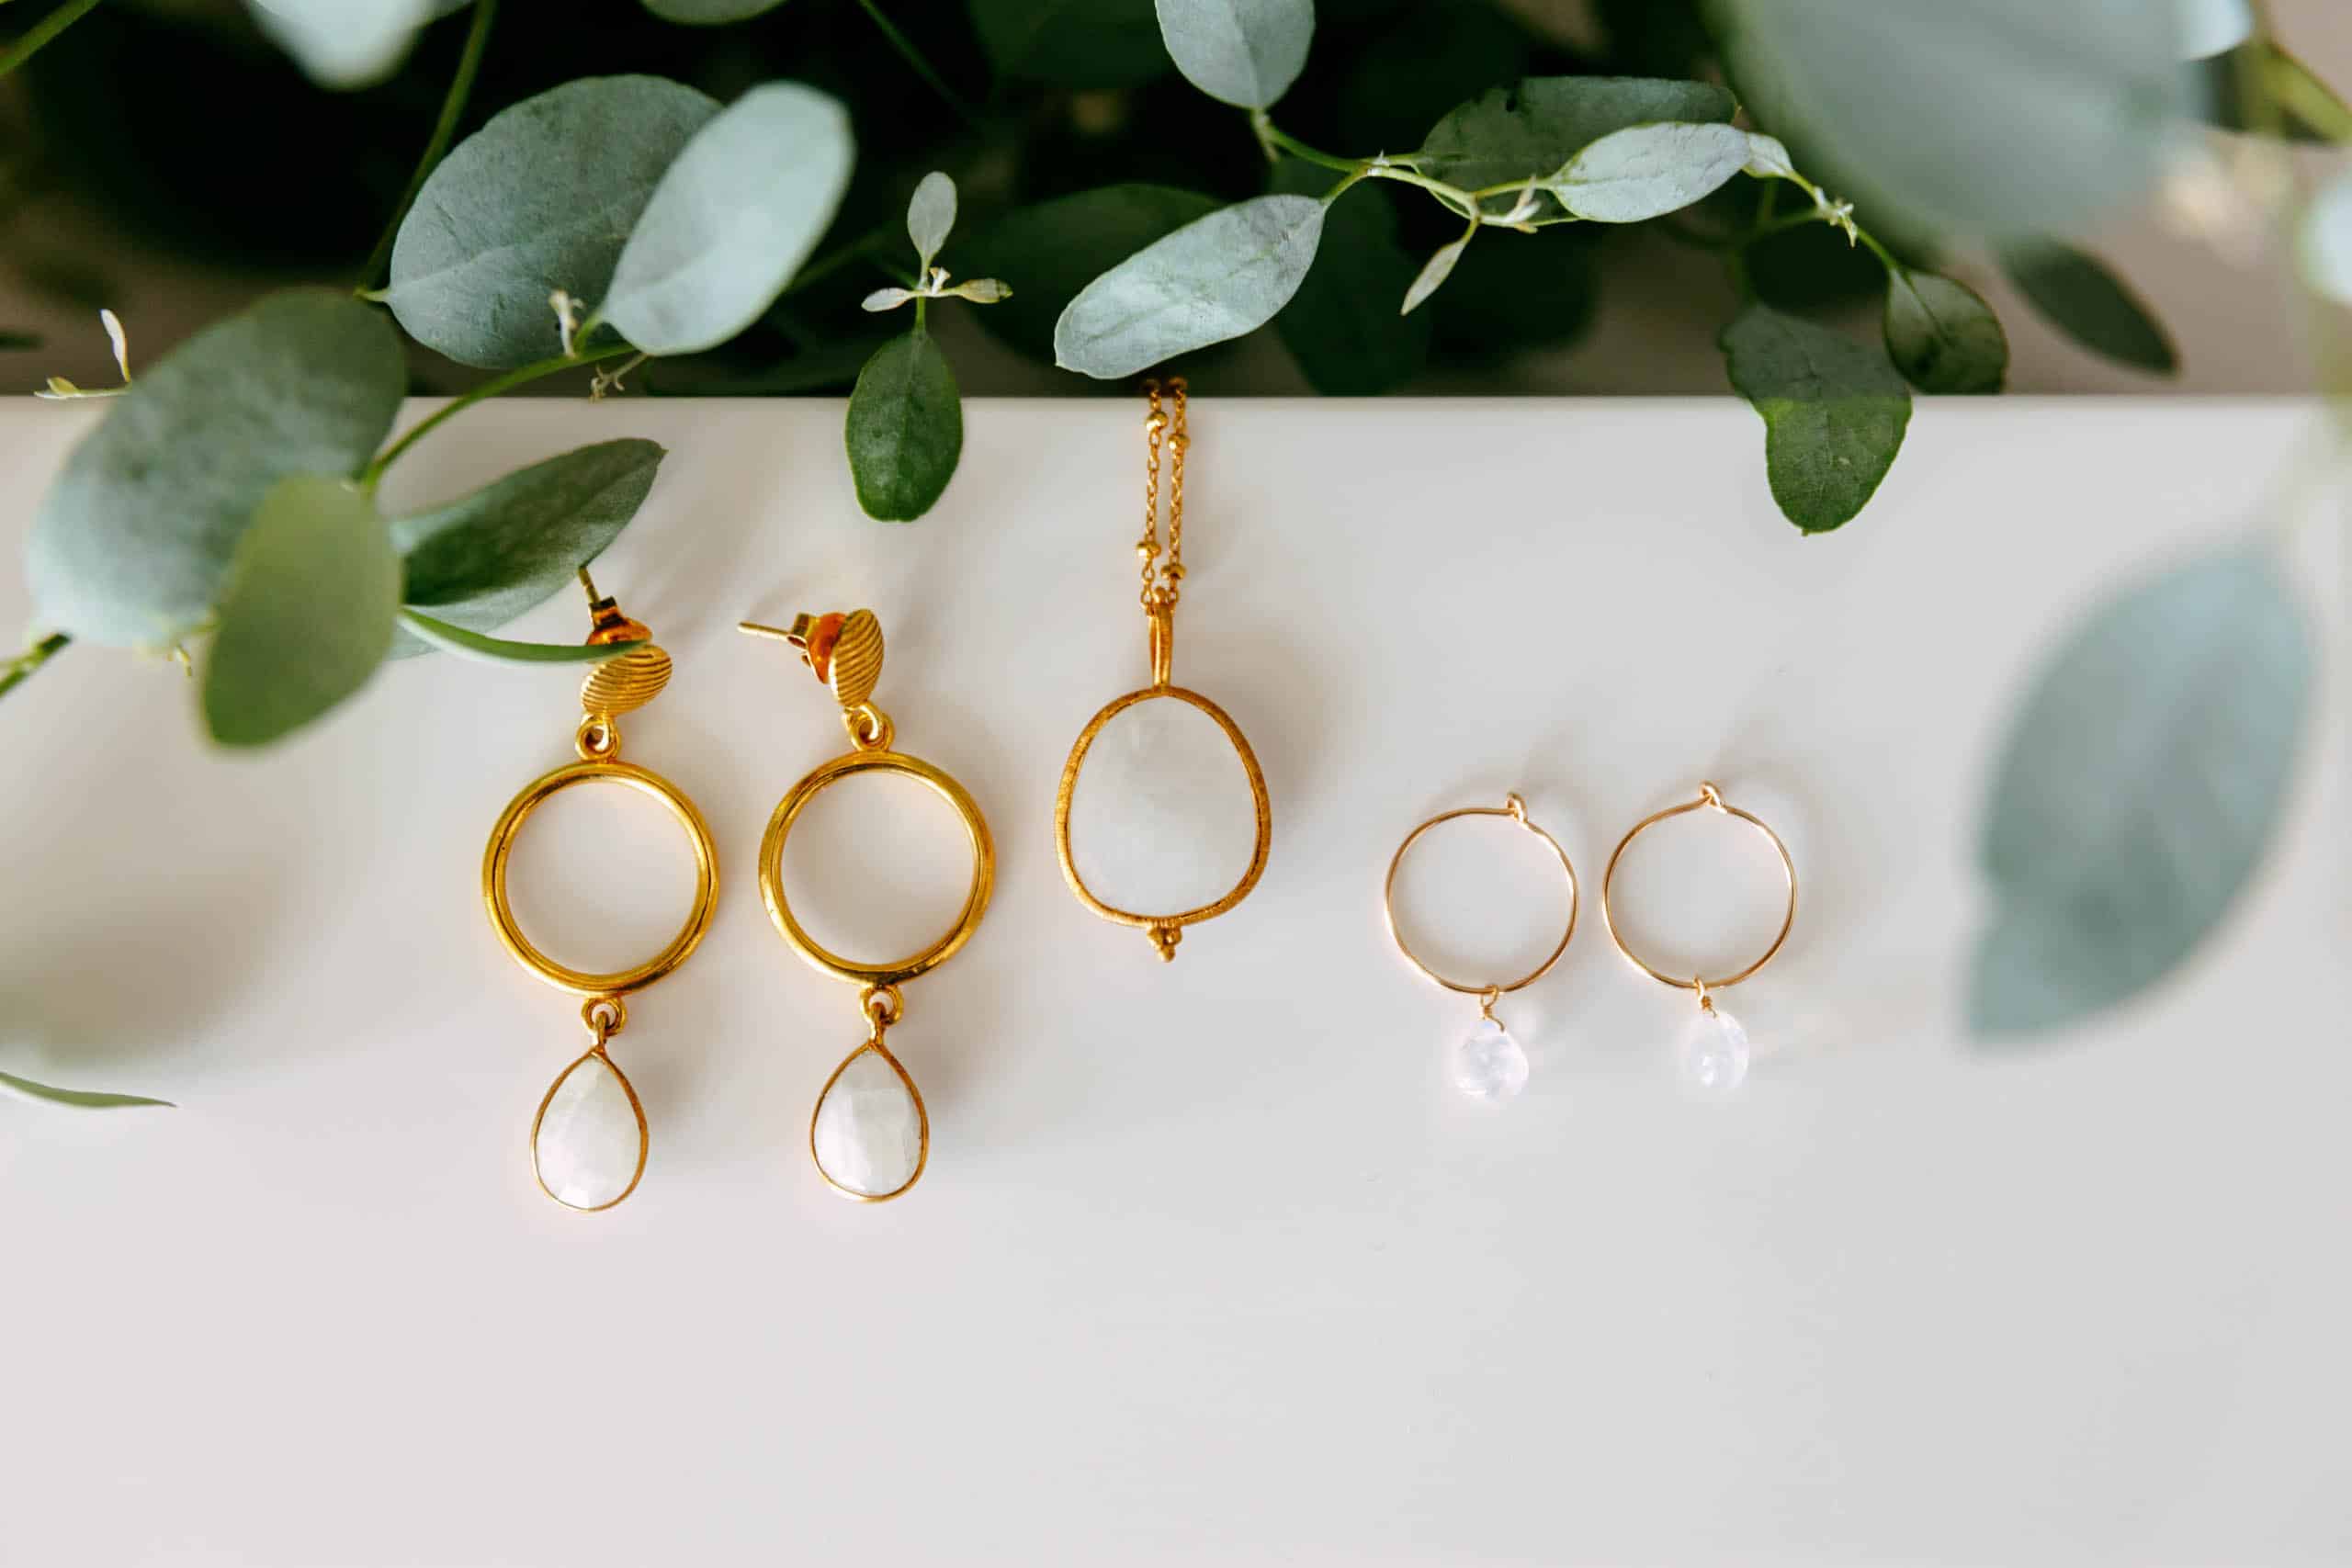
{"x": 914, "y": 57}
{"x": 452, "y": 109}
{"x": 15, "y": 672}
{"x": 374, "y": 471}
{"x": 42, "y": 32}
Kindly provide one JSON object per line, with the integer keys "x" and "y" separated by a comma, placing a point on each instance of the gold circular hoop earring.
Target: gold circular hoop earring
{"x": 869, "y": 1135}
{"x": 1488, "y": 1063}
{"x": 1161, "y": 581}
{"x": 1716, "y": 1055}
{"x": 589, "y": 1140}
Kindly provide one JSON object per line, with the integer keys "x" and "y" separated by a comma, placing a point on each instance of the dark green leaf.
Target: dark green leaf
{"x": 1531, "y": 129}
{"x": 1073, "y": 43}
{"x": 2309, "y": 109}
{"x": 1513, "y": 292}
{"x": 483, "y": 559}
{"x": 1342, "y": 325}
{"x": 133, "y": 541}
{"x": 1942, "y": 336}
{"x": 2077, "y": 293}
{"x": 1217, "y": 278}
{"x": 1243, "y": 52}
{"x": 1426, "y": 58}
{"x": 1664, "y": 38}
{"x": 88, "y": 1100}
{"x": 2141, "y": 781}
{"x": 308, "y": 614}
{"x": 711, "y": 12}
{"x": 542, "y": 197}
{"x": 1834, "y": 413}
{"x": 498, "y": 650}
{"x": 1051, "y": 250}
{"x": 905, "y": 429}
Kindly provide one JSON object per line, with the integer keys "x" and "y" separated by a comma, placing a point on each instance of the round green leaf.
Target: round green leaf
{"x": 1342, "y": 326}
{"x": 1942, "y": 336}
{"x": 1531, "y": 129}
{"x": 309, "y": 613}
{"x": 345, "y": 43}
{"x": 1051, "y": 250}
{"x": 436, "y": 633}
{"x": 1647, "y": 171}
{"x": 1243, "y": 52}
{"x": 733, "y": 220}
{"x": 905, "y": 429}
{"x": 709, "y": 12}
{"x": 2077, "y": 293}
{"x": 2141, "y": 780}
{"x": 1834, "y": 413}
{"x": 133, "y": 541}
{"x": 1217, "y": 278}
{"x": 1992, "y": 116}
{"x": 1073, "y": 43}
{"x": 483, "y": 559}
{"x": 538, "y": 199}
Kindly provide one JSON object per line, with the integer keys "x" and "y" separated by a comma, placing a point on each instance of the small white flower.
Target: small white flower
{"x": 1838, "y": 215}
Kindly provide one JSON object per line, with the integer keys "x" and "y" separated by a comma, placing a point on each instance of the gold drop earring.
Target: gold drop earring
{"x": 1715, "y": 1053}
{"x": 1161, "y": 581}
{"x": 589, "y": 1139}
{"x": 869, "y": 1134}
{"x": 1488, "y": 1063}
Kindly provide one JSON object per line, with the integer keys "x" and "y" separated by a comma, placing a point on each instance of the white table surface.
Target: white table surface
{"x": 1208, "y": 1264}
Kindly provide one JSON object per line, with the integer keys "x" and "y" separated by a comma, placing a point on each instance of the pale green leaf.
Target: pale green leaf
{"x": 2076, "y": 293}
{"x": 930, "y": 214}
{"x": 2324, "y": 246}
{"x": 1217, "y": 278}
{"x": 87, "y": 1099}
{"x": 905, "y": 429}
{"x": 133, "y": 541}
{"x": 344, "y": 43}
{"x": 1532, "y": 128}
{"x": 1243, "y": 52}
{"x": 2142, "y": 779}
{"x": 1647, "y": 171}
{"x": 1834, "y": 413}
{"x": 540, "y": 198}
{"x": 308, "y": 612}
{"x": 1058, "y": 247}
{"x": 1942, "y": 336}
{"x": 499, "y": 651}
{"x": 733, "y": 220}
{"x": 2212, "y": 27}
{"x": 711, "y": 12}
{"x": 1434, "y": 272}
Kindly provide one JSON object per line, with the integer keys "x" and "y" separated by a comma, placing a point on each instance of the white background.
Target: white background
{"x": 1208, "y": 1264}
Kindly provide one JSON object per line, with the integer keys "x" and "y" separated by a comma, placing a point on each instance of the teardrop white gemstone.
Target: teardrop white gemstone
{"x": 1714, "y": 1053}
{"x": 1489, "y": 1063}
{"x": 589, "y": 1145}
{"x": 868, "y": 1131}
{"x": 1161, "y": 819}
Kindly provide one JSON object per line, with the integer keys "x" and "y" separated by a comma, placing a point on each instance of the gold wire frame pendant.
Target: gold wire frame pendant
{"x": 1161, "y": 582}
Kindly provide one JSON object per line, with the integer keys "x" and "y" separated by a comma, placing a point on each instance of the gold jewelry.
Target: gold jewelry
{"x": 1487, "y": 1061}
{"x": 1716, "y": 1055}
{"x": 1161, "y": 582}
{"x": 873, "y": 1140}
{"x": 581, "y": 1151}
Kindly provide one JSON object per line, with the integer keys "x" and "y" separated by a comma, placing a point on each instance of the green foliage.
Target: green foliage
{"x": 1216, "y": 278}
{"x": 134, "y": 542}
{"x": 2141, "y": 782}
{"x": 344, "y": 43}
{"x": 1073, "y": 43}
{"x": 1648, "y": 171}
{"x": 1834, "y": 413}
{"x": 440, "y": 634}
{"x": 1056, "y": 247}
{"x": 1243, "y": 52}
{"x": 905, "y": 428}
{"x": 80, "y": 1099}
{"x": 1532, "y": 129}
{"x": 2077, "y": 293}
{"x": 2307, "y": 109}
{"x": 709, "y": 12}
{"x": 308, "y": 613}
{"x": 1343, "y": 326}
{"x": 1943, "y": 335}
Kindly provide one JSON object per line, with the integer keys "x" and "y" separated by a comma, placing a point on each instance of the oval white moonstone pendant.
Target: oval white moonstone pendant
{"x": 869, "y": 1135}
{"x": 1714, "y": 1053}
{"x": 1162, "y": 816}
{"x": 588, "y": 1145}
{"x": 1489, "y": 1063}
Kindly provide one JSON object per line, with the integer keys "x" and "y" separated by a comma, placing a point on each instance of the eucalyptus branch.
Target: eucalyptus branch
{"x": 922, "y": 67}
{"x": 452, "y": 109}
{"x": 374, "y": 471}
{"x": 44, "y": 32}
{"x": 15, "y": 672}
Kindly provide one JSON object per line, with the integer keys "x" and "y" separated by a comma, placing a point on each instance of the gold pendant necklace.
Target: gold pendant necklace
{"x": 1161, "y": 581}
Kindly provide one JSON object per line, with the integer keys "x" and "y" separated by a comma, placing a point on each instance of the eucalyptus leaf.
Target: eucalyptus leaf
{"x": 1243, "y": 52}
{"x": 1342, "y": 325}
{"x": 1647, "y": 171}
{"x": 132, "y": 542}
{"x": 905, "y": 428}
{"x": 2308, "y": 109}
{"x": 1073, "y": 43}
{"x": 1055, "y": 248}
{"x": 486, "y": 558}
{"x": 1216, "y": 278}
{"x": 1988, "y": 117}
{"x": 733, "y": 220}
{"x": 2212, "y": 27}
{"x": 1942, "y": 336}
{"x": 344, "y": 43}
{"x": 1434, "y": 272}
{"x": 2077, "y": 293}
{"x": 468, "y": 644}
{"x": 2323, "y": 248}
{"x": 87, "y": 1099}
{"x": 1834, "y": 413}
{"x": 711, "y": 12}
{"x": 1532, "y": 129}
{"x": 931, "y": 215}
{"x": 2143, "y": 778}
{"x": 540, "y": 198}
{"x": 308, "y": 614}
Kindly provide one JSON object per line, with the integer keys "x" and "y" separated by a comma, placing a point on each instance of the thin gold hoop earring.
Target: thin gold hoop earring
{"x": 589, "y": 1140}
{"x": 1716, "y": 1055}
{"x": 1488, "y": 1063}
{"x": 869, "y": 1134}
{"x": 1161, "y": 582}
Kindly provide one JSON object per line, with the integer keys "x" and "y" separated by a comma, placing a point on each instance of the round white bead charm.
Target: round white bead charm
{"x": 1489, "y": 1063}
{"x": 1714, "y": 1053}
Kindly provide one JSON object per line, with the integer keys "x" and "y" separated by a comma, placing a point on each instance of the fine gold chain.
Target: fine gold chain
{"x": 1161, "y": 583}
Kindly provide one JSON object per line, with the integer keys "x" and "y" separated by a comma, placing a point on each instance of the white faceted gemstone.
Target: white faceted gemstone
{"x": 1714, "y": 1053}
{"x": 1162, "y": 819}
{"x": 1489, "y": 1063}
{"x": 590, "y": 1145}
{"x": 868, "y": 1132}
